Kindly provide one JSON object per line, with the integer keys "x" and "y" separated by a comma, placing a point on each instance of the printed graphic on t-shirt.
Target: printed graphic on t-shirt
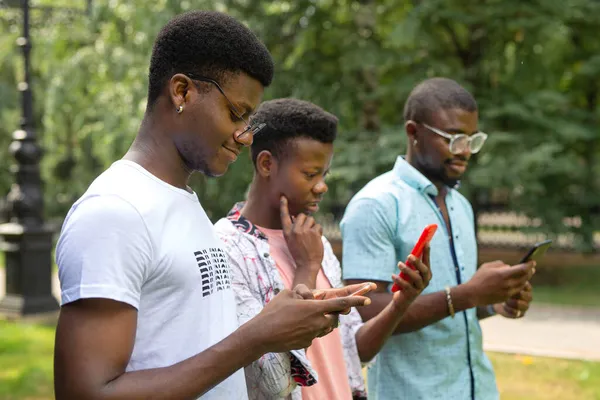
{"x": 214, "y": 269}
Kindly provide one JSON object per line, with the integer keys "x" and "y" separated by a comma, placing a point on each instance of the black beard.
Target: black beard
{"x": 438, "y": 175}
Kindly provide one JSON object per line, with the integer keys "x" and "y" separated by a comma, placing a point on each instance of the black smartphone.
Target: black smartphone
{"x": 536, "y": 252}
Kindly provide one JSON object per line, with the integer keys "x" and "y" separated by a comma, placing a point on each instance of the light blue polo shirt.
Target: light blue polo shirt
{"x": 381, "y": 225}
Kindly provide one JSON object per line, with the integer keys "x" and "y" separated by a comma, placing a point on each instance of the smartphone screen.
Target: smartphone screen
{"x": 536, "y": 252}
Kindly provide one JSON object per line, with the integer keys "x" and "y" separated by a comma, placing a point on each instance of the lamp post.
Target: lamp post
{"x": 26, "y": 239}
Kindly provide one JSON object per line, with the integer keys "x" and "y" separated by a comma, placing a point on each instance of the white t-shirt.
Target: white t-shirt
{"x": 136, "y": 239}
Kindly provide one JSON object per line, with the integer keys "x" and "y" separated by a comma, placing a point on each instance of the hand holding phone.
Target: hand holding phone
{"x": 417, "y": 251}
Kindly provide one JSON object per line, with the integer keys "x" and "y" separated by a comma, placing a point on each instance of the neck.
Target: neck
{"x": 440, "y": 186}
{"x": 258, "y": 209}
{"x": 154, "y": 150}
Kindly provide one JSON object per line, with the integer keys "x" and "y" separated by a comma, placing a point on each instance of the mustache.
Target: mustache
{"x": 456, "y": 158}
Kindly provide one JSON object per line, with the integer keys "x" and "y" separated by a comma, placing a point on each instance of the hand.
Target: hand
{"x": 326, "y": 294}
{"x": 290, "y": 322}
{"x": 516, "y": 306}
{"x": 333, "y": 293}
{"x": 496, "y": 282}
{"x": 415, "y": 281}
{"x": 303, "y": 238}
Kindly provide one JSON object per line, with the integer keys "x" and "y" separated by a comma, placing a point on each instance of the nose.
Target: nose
{"x": 466, "y": 154}
{"x": 244, "y": 136}
{"x": 320, "y": 188}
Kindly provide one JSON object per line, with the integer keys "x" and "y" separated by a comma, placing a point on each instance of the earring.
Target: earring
{"x": 180, "y": 109}
{"x": 415, "y": 142}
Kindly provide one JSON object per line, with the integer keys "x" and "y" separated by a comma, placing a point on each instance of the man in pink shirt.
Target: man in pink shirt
{"x": 274, "y": 243}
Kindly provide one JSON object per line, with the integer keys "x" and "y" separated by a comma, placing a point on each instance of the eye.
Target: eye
{"x": 234, "y": 117}
{"x": 310, "y": 175}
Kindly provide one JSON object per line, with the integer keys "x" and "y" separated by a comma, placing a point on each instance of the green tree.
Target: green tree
{"x": 533, "y": 66}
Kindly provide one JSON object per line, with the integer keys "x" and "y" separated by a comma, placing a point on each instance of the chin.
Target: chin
{"x": 451, "y": 181}
{"x": 213, "y": 169}
{"x": 215, "y": 172}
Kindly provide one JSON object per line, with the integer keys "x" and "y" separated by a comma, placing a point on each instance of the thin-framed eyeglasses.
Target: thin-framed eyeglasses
{"x": 251, "y": 127}
{"x": 459, "y": 142}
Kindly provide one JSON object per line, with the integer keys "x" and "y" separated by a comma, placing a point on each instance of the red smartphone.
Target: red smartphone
{"x": 417, "y": 251}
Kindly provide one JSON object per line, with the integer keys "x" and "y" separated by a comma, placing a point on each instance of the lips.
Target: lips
{"x": 234, "y": 153}
{"x": 457, "y": 166}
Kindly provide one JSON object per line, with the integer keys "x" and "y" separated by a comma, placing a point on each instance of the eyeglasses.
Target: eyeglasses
{"x": 459, "y": 142}
{"x": 251, "y": 127}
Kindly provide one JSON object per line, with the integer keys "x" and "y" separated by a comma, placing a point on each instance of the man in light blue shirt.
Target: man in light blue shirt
{"x": 437, "y": 350}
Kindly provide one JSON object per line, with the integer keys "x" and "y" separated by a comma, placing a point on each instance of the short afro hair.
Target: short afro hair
{"x": 288, "y": 119}
{"x": 206, "y": 43}
{"x": 437, "y": 94}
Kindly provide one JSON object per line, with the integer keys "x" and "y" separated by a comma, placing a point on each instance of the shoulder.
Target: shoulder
{"x": 98, "y": 210}
{"x": 224, "y": 228}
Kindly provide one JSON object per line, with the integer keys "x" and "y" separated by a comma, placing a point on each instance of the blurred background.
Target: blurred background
{"x": 534, "y": 68}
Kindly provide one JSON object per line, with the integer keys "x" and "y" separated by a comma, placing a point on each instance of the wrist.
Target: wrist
{"x": 252, "y": 340}
{"x": 399, "y": 307}
{"x": 306, "y": 275}
{"x": 465, "y": 296}
{"x": 494, "y": 309}
{"x": 311, "y": 266}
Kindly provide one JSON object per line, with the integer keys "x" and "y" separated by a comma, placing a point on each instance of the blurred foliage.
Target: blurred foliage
{"x": 534, "y": 68}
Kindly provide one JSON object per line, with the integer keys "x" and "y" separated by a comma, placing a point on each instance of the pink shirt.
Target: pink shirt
{"x": 326, "y": 353}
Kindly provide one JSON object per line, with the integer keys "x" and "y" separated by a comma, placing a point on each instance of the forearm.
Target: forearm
{"x": 306, "y": 276}
{"x": 188, "y": 379}
{"x": 371, "y": 337}
{"x": 431, "y": 308}
{"x": 425, "y": 310}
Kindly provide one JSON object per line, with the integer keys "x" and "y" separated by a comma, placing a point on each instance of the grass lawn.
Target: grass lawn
{"x": 537, "y": 378}
{"x": 26, "y": 370}
{"x": 568, "y": 286}
{"x": 26, "y": 353}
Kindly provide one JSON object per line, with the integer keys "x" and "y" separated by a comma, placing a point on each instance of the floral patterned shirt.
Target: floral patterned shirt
{"x": 256, "y": 281}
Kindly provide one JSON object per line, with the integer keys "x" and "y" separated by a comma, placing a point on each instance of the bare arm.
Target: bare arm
{"x": 425, "y": 310}
{"x": 371, "y": 337}
{"x": 493, "y": 283}
{"x": 94, "y": 341}
{"x": 95, "y": 337}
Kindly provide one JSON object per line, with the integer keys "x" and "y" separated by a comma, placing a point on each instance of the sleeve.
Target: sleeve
{"x": 368, "y": 240}
{"x": 104, "y": 251}
{"x": 274, "y": 375}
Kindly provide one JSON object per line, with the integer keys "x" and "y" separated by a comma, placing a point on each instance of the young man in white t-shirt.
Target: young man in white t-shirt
{"x": 148, "y": 310}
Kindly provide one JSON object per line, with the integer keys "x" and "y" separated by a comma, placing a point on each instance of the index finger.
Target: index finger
{"x": 286, "y": 220}
{"x": 348, "y": 290}
{"x": 521, "y": 270}
{"x": 340, "y": 304}
{"x": 419, "y": 265}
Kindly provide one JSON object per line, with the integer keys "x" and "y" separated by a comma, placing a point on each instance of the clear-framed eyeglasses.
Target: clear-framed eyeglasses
{"x": 459, "y": 142}
{"x": 252, "y": 128}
